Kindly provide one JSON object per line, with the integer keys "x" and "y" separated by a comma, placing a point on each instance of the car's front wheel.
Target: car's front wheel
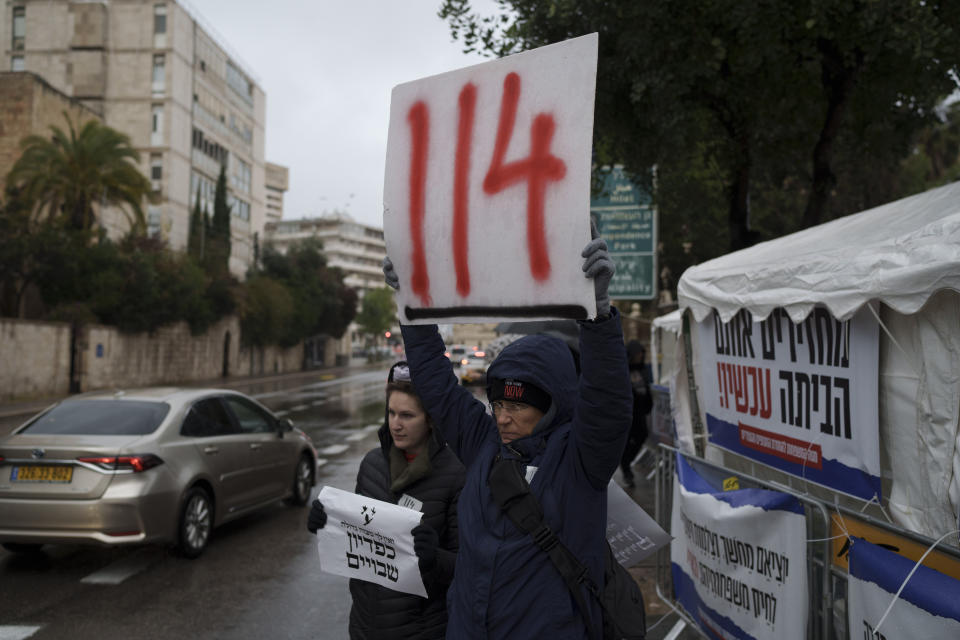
{"x": 196, "y": 522}
{"x": 302, "y": 482}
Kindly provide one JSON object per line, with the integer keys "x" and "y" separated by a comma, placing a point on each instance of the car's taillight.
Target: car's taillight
{"x": 124, "y": 463}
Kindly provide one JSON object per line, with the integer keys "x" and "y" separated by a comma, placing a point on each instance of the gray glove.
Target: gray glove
{"x": 598, "y": 265}
{"x": 389, "y": 275}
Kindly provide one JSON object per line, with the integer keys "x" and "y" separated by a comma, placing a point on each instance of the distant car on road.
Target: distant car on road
{"x": 152, "y": 465}
{"x": 473, "y": 368}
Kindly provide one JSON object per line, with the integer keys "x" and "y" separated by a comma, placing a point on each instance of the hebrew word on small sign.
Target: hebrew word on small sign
{"x": 487, "y": 188}
{"x": 369, "y": 540}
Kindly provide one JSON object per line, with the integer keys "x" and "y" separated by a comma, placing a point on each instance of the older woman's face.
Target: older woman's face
{"x": 408, "y": 423}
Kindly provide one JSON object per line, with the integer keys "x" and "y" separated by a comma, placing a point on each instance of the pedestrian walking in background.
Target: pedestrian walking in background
{"x": 568, "y": 434}
{"x": 414, "y": 465}
{"x": 642, "y": 405}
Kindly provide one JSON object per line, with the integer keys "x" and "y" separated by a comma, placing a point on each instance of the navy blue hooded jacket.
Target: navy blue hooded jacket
{"x": 504, "y": 585}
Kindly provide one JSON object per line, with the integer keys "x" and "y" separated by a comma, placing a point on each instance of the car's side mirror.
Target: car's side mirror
{"x": 284, "y": 425}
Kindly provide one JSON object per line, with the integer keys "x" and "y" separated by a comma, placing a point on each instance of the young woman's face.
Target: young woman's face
{"x": 408, "y": 423}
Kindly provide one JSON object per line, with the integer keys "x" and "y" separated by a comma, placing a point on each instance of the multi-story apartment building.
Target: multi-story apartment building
{"x": 357, "y": 249}
{"x": 153, "y": 70}
{"x": 278, "y": 181}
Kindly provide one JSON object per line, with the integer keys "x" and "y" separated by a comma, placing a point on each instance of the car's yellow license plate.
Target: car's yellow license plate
{"x": 42, "y": 473}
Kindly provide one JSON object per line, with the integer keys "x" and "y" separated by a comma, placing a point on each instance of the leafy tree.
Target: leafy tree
{"x": 267, "y": 312}
{"x": 766, "y": 97}
{"x": 322, "y": 303}
{"x": 28, "y": 248}
{"x": 377, "y": 310}
{"x": 64, "y": 177}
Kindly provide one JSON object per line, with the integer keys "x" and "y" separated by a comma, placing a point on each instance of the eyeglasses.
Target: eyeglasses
{"x": 510, "y": 408}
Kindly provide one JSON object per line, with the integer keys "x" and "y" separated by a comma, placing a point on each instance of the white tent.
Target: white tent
{"x": 905, "y": 255}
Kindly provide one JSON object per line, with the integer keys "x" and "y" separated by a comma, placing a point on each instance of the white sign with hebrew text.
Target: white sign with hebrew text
{"x": 487, "y": 188}
{"x": 369, "y": 540}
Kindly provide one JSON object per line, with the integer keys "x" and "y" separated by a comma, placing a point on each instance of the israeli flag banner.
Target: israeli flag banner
{"x": 738, "y": 559}
{"x": 928, "y": 608}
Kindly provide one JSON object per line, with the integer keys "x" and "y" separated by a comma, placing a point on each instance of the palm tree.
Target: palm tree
{"x": 64, "y": 177}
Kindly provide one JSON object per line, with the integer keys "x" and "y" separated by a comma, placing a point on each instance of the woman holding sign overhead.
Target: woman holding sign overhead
{"x": 414, "y": 468}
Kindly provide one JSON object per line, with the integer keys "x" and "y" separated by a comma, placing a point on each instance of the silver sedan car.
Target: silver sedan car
{"x": 153, "y": 465}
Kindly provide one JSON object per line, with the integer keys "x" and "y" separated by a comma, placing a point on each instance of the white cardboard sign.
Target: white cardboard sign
{"x": 632, "y": 533}
{"x": 369, "y": 540}
{"x": 487, "y": 188}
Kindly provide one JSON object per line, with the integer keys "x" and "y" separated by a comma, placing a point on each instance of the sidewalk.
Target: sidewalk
{"x": 659, "y": 616}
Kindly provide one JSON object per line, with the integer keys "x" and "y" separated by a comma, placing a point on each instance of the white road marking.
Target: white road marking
{"x": 334, "y": 449}
{"x": 118, "y": 571}
{"x": 8, "y": 632}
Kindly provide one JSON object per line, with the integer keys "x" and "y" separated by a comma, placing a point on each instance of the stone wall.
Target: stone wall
{"x": 35, "y": 357}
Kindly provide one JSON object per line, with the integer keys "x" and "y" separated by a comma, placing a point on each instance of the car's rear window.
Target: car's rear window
{"x": 101, "y": 417}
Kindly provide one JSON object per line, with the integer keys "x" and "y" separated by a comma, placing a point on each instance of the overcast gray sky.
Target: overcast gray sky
{"x": 327, "y": 67}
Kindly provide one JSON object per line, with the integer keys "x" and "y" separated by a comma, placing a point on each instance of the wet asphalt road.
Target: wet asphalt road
{"x": 259, "y": 578}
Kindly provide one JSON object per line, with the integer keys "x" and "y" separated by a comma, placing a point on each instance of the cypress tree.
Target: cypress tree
{"x": 195, "y": 240}
{"x": 218, "y": 242}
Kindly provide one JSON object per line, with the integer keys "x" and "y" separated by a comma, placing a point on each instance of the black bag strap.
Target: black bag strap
{"x": 512, "y": 494}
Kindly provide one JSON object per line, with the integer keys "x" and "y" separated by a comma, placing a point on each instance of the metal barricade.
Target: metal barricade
{"x": 818, "y": 528}
{"x": 827, "y": 575}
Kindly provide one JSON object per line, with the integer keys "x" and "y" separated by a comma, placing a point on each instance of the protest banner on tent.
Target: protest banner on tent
{"x": 369, "y": 540}
{"x": 798, "y": 397}
{"x": 487, "y": 188}
{"x": 738, "y": 559}
{"x": 928, "y": 608}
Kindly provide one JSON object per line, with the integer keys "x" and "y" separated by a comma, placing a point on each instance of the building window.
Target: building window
{"x": 205, "y": 189}
{"x": 238, "y": 208}
{"x": 239, "y": 83}
{"x": 154, "y": 221}
{"x": 16, "y": 63}
{"x": 156, "y": 125}
{"x": 19, "y": 28}
{"x": 159, "y": 18}
{"x": 240, "y": 175}
{"x": 159, "y": 73}
{"x": 156, "y": 166}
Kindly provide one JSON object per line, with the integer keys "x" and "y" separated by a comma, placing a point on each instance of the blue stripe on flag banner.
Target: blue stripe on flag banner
{"x": 932, "y": 591}
{"x": 834, "y": 474}
{"x": 687, "y": 596}
{"x": 763, "y": 498}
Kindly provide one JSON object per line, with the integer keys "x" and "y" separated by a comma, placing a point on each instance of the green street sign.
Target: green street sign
{"x": 627, "y": 220}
